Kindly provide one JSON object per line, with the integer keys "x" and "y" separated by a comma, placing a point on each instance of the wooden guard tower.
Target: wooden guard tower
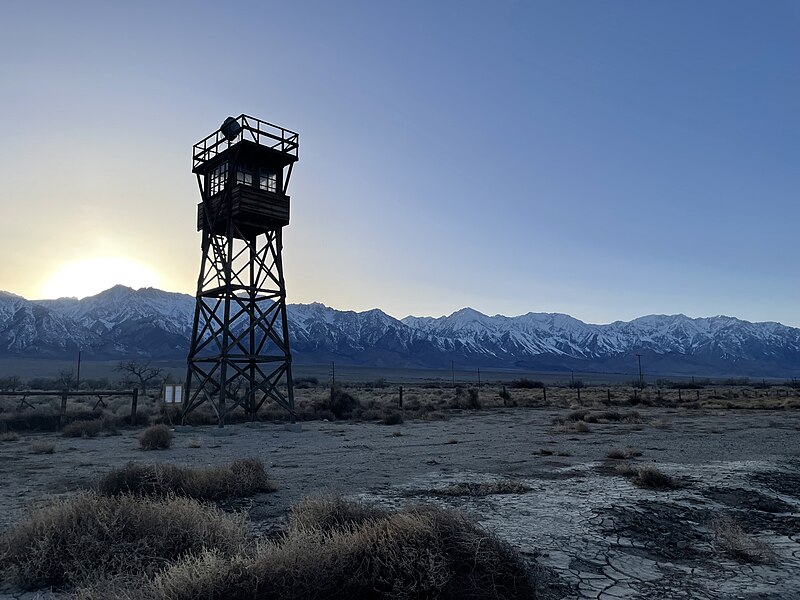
{"x": 239, "y": 354}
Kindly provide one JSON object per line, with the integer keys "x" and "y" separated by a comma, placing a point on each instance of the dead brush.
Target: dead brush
{"x": 620, "y": 454}
{"x": 650, "y": 477}
{"x": 88, "y": 536}
{"x": 731, "y": 539}
{"x": 331, "y": 513}
{"x": 480, "y": 490}
{"x": 155, "y": 437}
{"x": 241, "y": 478}
{"x": 43, "y": 448}
{"x": 418, "y": 552}
{"x": 83, "y": 428}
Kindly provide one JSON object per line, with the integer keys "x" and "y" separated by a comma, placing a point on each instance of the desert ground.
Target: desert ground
{"x": 561, "y": 482}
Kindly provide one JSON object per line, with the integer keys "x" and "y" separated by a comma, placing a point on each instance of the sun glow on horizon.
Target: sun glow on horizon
{"x": 91, "y": 276}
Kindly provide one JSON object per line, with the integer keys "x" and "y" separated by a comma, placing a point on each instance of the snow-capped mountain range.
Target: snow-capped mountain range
{"x": 150, "y": 323}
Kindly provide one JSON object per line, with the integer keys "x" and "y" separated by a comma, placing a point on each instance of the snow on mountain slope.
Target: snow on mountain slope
{"x": 102, "y": 313}
{"x": 28, "y": 328}
{"x": 122, "y": 322}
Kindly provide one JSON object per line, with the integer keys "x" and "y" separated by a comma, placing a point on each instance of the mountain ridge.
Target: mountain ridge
{"x": 150, "y": 323}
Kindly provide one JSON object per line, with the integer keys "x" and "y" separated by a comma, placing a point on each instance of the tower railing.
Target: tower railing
{"x": 252, "y": 129}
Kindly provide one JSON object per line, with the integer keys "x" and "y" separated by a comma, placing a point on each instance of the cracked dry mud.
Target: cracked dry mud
{"x": 589, "y": 532}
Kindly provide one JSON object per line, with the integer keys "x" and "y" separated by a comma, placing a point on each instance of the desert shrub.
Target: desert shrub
{"x": 416, "y": 553}
{"x": 155, "y": 437}
{"x": 90, "y": 536}
{"x": 43, "y": 383}
{"x": 466, "y": 398}
{"x": 332, "y": 513}
{"x": 626, "y": 470}
{"x": 342, "y": 404}
{"x": 10, "y": 383}
{"x": 9, "y": 436}
{"x": 392, "y": 418}
{"x": 81, "y": 428}
{"x": 480, "y": 489}
{"x": 650, "y": 477}
{"x": 616, "y": 454}
{"x": 730, "y": 538}
{"x": 504, "y": 395}
{"x": 43, "y": 448}
{"x": 661, "y": 423}
{"x": 434, "y": 415}
{"x": 525, "y": 383}
{"x": 578, "y": 415}
{"x": 303, "y": 383}
{"x": 581, "y": 427}
{"x": 243, "y": 477}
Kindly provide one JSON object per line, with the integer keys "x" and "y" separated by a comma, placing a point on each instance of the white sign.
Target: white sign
{"x": 173, "y": 393}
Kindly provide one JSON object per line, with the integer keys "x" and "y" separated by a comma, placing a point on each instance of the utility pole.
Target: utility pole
{"x": 479, "y": 377}
{"x": 78, "y": 378}
{"x": 641, "y": 379}
{"x": 453, "y": 372}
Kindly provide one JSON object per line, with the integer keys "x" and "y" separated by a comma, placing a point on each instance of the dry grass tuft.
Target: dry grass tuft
{"x": 626, "y": 470}
{"x": 391, "y": 418}
{"x": 581, "y": 427}
{"x": 81, "y": 428}
{"x": 89, "y": 536}
{"x": 661, "y": 423}
{"x": 730, "y": 538}
{"x": 156, "y": 437}
{"x": 419, "y": 552}
{"x": 332, "y": 513}
{"x": 241, "y": 478}
{"x": 9, "y": 436}
{"x": 43, "y": 448}
{"x": 651, "y": 478}
{"x": 619, "y": 454}
{"x": 480, "y": 489}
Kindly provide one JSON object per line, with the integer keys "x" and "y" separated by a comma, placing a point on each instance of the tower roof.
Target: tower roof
{"x": 259, "y": 135}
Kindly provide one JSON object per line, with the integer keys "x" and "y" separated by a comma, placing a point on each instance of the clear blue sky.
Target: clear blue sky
{"x": 604, "y": 159}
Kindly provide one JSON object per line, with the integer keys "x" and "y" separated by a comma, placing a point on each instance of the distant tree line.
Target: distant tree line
{"x": 132, "y": 373}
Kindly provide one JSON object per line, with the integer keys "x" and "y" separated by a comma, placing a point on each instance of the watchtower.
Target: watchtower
{"x": 239, "y": 354}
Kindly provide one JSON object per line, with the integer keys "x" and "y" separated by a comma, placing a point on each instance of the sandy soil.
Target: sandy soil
{"x": 600, "y": 535}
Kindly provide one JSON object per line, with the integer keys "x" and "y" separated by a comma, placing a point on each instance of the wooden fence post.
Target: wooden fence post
{"x": 544, "y": 394}
{"x": 63, "y": 412}
{"x": 609, "y": 395}
{"x": 401, "y": 396}
{"x": 680, "y": 397}
{"x": 134, "y": 402}
{"x": 579, "y": 395}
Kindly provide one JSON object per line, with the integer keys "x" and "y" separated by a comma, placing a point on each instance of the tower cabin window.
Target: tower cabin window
{"x": 244, "y": 175}
{"x": 217, "y": 179}
{"x": 268, "y": 181}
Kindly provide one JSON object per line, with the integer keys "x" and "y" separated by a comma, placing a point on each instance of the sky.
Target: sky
{"x": 602, "y": 159}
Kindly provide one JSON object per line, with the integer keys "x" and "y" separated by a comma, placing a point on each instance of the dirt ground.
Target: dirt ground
{"x": 598, "y": 535}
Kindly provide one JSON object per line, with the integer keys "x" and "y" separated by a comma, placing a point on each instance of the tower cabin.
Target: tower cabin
{"x": 244, "y": 169}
